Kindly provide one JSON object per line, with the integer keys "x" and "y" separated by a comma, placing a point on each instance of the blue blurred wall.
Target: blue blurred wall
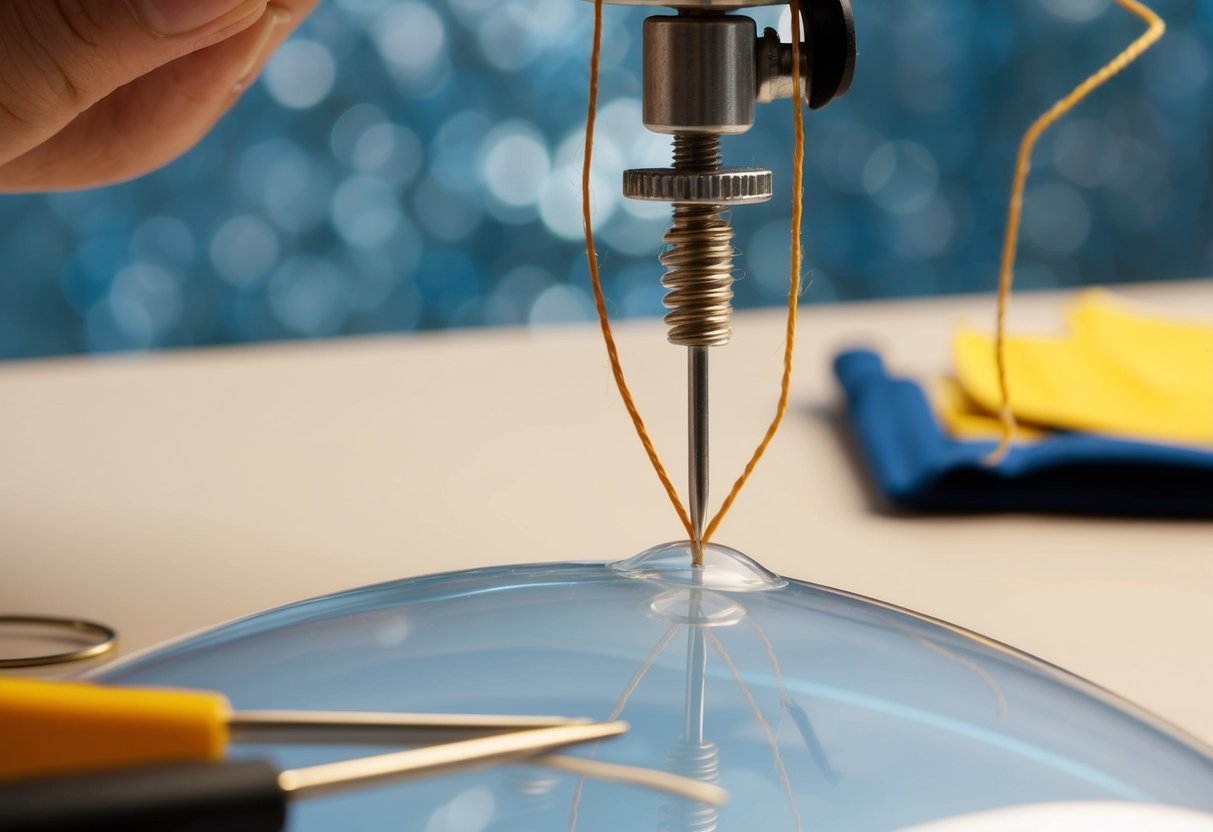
{"x": 412, "y": 164}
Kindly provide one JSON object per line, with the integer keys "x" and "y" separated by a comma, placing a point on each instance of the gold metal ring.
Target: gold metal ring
{"x": 104, "y": 638}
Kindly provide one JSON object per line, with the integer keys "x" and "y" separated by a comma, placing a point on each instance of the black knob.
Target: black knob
{"x": 830, "y": 37}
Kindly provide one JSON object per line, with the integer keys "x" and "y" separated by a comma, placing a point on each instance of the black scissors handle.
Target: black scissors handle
{"x": 183, "y": 797}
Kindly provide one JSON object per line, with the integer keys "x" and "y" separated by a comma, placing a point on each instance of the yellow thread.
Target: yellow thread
{"x": 596, "y": 283}
{"x": 1023, "y": 164}
{"x": 600, "y": 300}
{"x": 789, "y": 348}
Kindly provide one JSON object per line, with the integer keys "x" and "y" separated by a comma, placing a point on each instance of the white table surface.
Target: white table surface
{"x": 171, "y": 492}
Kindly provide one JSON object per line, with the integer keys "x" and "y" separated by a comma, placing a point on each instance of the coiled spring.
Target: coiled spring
{"x": 699, "y": 260}
{"x": 699, "y": 761}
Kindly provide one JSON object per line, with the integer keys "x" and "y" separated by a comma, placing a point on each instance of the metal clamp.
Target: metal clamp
{"x": 704, "y": 70}
{"x": 827, "y": 56}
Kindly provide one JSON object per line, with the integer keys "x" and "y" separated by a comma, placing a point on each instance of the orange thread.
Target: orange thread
{"x": 1023, "y": 164}
{"x": 596, "y": 283}
{"x": 600, "y": 300}
{"x": 789, "y": 348}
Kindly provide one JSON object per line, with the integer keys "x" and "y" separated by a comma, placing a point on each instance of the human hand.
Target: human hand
{"x": 99, "y": 91}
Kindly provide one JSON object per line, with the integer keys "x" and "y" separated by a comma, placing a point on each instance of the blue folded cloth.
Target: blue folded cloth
{"x": 917, "y": 465}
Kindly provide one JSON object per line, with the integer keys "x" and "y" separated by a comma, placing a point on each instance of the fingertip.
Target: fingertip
{"x": 194, "y": 18}
{"x": 151, "y": 120}
{"x": 273, "y": 28}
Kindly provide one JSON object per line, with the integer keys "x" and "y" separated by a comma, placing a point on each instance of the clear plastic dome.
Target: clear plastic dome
{"x": 815, "y": 709}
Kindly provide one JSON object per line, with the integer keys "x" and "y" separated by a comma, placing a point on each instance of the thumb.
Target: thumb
{"x": 59, "y": 57}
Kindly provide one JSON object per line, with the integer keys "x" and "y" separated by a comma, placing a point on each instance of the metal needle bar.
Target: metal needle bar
{"x": 697, "y": 443}
{"x": 697, "y": 662}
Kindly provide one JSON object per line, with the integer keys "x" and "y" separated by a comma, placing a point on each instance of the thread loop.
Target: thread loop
{"x": 1023, "y": 165}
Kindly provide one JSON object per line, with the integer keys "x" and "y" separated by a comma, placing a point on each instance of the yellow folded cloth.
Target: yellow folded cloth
{"x": 1119, "y": 371}
{"x": 1175, "y": 354}
{"x": 962, "y": 418}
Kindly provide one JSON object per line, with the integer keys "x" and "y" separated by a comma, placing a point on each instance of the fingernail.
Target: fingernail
{"x": 176, "y": 17}
{"x": 274, "y": 17}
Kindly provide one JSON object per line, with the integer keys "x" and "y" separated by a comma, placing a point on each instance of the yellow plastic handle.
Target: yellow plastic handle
{"x": 59, "y": 727}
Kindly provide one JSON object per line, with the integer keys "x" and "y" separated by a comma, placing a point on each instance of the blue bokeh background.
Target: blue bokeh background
{"x": 413, "y": 164}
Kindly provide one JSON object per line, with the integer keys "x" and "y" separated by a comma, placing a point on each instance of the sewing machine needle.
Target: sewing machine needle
{"x": 697, "y": 437}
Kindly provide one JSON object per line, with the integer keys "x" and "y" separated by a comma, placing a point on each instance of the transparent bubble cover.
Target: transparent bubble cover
{"x": 820, "y": 710}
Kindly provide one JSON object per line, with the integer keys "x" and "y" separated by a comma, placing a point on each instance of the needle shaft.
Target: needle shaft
{"x": 697, "y": 443}
{"x": 697, "y": 663}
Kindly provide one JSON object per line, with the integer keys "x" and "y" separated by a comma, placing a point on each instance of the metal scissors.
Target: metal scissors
{"x": 82, "y": 756}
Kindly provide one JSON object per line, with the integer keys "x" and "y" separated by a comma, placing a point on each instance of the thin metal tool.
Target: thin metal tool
{"x": 694, "y": 756}
{"x": 697, "y": 443}
{"x": 704, "y": 71}
{"x": 88, "y": 738}
{"x": 444, "y": 758}
{"x": 517, "y": 746}
{"x": 324, "y": 727}
{"x": 327, "y": 727}
{"x": 252, "y": 796}
{"x": 699, "y": 84}
{"x": 370, "y": 728}
{"x": 697, "y": 665}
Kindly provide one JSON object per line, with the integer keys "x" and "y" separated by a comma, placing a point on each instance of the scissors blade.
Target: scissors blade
{"x": 370, "y": 728}
{"x": 446, "y": 758}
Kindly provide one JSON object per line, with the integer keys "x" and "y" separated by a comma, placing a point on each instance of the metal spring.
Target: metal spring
{"x": 699, "y": 260}
{"x": 699, "y": 761}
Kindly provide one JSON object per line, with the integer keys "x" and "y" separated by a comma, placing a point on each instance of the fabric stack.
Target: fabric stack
{"x": 1116, "y": 417}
